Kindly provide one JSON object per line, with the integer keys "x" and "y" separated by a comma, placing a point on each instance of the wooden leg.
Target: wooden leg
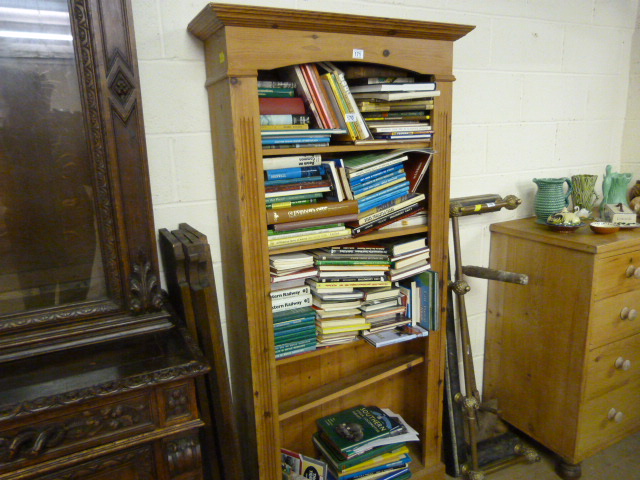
{"x": 569, "y": 471}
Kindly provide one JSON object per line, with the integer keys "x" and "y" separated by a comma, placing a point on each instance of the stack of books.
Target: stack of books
{"x": 338, "y": 321}
{"x": 302, "y": 206}
{"x": 365, "y": 443}
{"x": 293, "y": 316}
{"x": 384, "y": 309}
{"x": 409, "y": 256}
{"x": 397, "y": 110}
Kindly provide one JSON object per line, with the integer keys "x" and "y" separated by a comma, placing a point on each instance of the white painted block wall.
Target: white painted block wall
{"x": 545, "y": 88}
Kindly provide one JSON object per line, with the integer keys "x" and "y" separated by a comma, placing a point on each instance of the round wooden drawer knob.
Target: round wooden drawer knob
{"x": 630, "y": 271}
{"x": 615, "y": 416}
{"x": 628, "y": 313}
{"x": 623, "y": 364}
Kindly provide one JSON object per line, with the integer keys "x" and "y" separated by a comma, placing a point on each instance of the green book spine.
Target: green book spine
{"x": 294, "y": 337}
{"x": 338, "y": 463}
{"x": 301, "y": 312}
{"x": 291, "y": 198}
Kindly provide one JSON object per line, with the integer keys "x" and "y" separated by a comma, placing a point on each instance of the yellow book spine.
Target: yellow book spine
{"x": 277, "y": 242}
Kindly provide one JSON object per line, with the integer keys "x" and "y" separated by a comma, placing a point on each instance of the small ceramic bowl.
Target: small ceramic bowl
{"x": 562, "y": 228}
{"x": 604, "y": 227}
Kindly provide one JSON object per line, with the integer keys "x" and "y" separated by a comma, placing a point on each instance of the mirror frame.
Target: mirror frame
{"x": 104, "y": 48}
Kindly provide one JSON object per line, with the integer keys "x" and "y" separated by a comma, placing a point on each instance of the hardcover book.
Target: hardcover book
{"x": 352, "y": 428}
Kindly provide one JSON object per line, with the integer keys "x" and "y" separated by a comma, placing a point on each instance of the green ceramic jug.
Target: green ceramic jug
{"x": 551, "y": 197}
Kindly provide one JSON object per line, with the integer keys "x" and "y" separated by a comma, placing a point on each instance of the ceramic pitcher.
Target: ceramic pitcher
{"x": 584, "y": 195}
{"x": 551, "y": 197}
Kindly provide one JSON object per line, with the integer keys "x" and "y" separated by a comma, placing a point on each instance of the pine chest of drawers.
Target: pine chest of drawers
{"x": 562, "y": 354}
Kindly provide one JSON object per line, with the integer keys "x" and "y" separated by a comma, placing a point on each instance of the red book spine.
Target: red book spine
{"x": 281, "y": 106}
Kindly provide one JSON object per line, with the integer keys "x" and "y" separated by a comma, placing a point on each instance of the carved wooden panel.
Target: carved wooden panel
{"x": 67, "y": 433}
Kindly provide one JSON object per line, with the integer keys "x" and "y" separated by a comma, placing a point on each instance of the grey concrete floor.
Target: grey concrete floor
{"x": 618, "y": 462}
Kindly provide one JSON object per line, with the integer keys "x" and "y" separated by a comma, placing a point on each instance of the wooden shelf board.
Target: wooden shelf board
{"x": 395, "y": 232}
{"x": 382, "y": 145}
{"x": 347, "y": 384}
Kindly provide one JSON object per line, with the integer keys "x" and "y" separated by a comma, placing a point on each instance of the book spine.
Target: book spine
{"x": 330, "y": 227}
{"x": 369, "y": 278}
{"x": 312, "y": 222}
{"x": 388, "y": 210}
{"x": 276, "y": 92}
{"x": 275, "y": 84}
{"x": 280, "y": 355}
{"x": 289, "y": 181}
{"x": 379, "y": 184}
{"x": 383, "y": 197}
{"x": 281, "y": 106}
{"x": 363, "y": 284}
{"x": 272, "y": 163}
{"x": 296, "y": 140}
{"x": 373, "y": 168}
{"x": 296, "y": 186}
{"x": 290, "y": 292}
{"x": 278, "y": 242}
{"x": 386, "y": 220}
{"x": 292, "y": 198}
{"x": 351, "y": 262}
{"x": 285, "y": 119}
{"x": 294, "y": 203}
{"x": 320, "y": 210}
{"x": 314, "y": 91}
{"x": 289, "y": 303}
{"x": 295, "y": 172}
{"x": 355, "y": 182}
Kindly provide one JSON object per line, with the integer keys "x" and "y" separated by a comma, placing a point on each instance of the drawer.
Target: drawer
{"x": 613, "y": 366}
{"x": 607, "y": 419}
{"x": 614, "y": 318}
{"x": 39, "y": 438}
{"x": 616, "y": 274}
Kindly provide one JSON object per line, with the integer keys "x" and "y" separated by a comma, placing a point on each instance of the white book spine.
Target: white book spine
{"x": 292, "y": 161}
{"x": 290, "y": 303}
{"x": 290, "y": 292}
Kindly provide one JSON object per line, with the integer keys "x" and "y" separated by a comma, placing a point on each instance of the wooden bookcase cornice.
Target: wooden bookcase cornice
{"x": 218, "y": 15}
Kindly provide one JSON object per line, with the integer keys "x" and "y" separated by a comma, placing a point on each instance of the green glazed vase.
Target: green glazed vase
{"x": 551, "y": 196}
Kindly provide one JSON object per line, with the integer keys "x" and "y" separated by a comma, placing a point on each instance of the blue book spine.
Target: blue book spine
{"x": 285, "y": 140}
{"x": 286, "y": 181}
{"x": 378, "y": 181}
{"x": 381, "y": 468}
{"x": 386, "y": 193}
{"x": 424, "y": 287}
{"x": 371, "y": 176}
{"x": 376, "y": 201}
{"x": 278, "y": 332}
{"x": 295, "y": 323}
{"x": 295, "y": 172}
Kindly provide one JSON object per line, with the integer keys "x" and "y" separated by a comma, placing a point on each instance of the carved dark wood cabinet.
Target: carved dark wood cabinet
{"x": 96, "y": 379}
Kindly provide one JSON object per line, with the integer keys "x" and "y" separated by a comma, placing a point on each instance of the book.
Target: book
{"x": 292, "y": 198}
{"x": 295, "y": 120}
{"x": 289, "y": 181}
{"x": 355, "y": 284}
{"x": 302, "y": 312}
{"x": 289, "y": 303}
{"x": 409, "y": 270}
{"x": 291, "y": 161}
{"x": 280, "y": 106}
{"x": 361, "y": 248}
{"x": 301, "y": 188}
{"x": 312, "y": 229}
{"x": 275, "y": 84}
{"x": 416, "y": 219}
{"x": 309, "y": 132}
{"x": 276, "y": 92}
{"x": 393, "y": 87}
{"x": 380, "y": 79}
{"x": 406, "y": 244}
{"x": 402, "y": 260}
{"x": 294, "y": 172}
{"x": 305, "y": 273}
{"x": 416, "y": 170}
{"x": 381, "y": 293}
{"x": 320, "y": 221}
{"x": 318, "y": 95}
{"x": 382, "y": 196}
{"x": 313, "y": 237}
{"x": 385, "y": 220}
{"x": 373, "y": 168}
{"x": 396, "y": 335}
{"x": 383, "y": 182}
{"x": 391, "y": 96}
{"x": 360, "y": 161}
{"x": 340, "y": 464}
{"x": 306, "y": 212}
{"x": 289, "y": 292}
{"x": 338, "y": 193}
{"x": 389, "y": 207}
{"x": 298, "y": 139}
{"x": 393, "y": 127}
{"x": 306, "y": 467}
{"x": 294, "y": 145}
{"x": 366, "y": 106}
{"x": 321, "y": 329}
{"x": 289, "y": 204}
{"x": 352, "y": 428}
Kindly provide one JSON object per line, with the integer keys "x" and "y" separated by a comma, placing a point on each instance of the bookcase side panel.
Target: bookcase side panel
{"x": 240, "y": 197}
{"x": 250, "y": 49}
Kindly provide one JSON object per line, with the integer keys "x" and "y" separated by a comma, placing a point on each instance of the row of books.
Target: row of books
{"x": 321, "y": 96}
{"x": 327, "y": 296}
{"x": 310, "y": 198}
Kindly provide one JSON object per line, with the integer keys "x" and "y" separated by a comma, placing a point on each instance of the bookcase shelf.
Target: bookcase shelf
{"x": 347, "y": 385}
{"x": 379, "y": 145}
{"x": 346, "y": 241}
{"x": 279, "y": 401}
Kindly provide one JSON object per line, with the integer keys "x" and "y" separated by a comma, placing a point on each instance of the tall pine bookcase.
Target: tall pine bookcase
{"x": 278, "y": 401}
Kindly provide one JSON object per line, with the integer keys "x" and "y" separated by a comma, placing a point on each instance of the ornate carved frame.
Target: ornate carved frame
{"x": 107, "y": 70}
